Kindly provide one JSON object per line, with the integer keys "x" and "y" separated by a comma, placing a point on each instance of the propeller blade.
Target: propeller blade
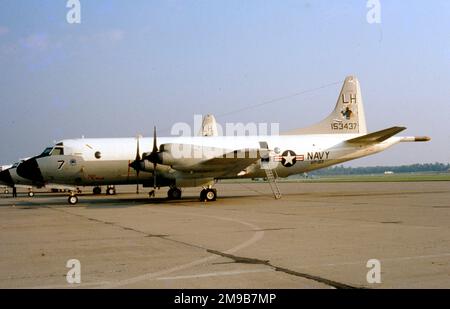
{"x": 155, "y": 154}
{"x": 137, "y": 181}
{"x": 138, "y": 154}
{"x": 138, "y": 159}
{"x": 155, "y": 147}
{"x": 154, "y": 176}
{"x": 136, "y": 164}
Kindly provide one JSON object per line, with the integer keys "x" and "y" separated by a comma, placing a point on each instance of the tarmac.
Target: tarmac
{"x": 319, "y": 235}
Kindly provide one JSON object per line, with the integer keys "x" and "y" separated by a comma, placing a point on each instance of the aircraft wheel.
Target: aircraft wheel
{"x": 97, "y": 190}
{"x": 210, "y": 195}
{"x": 110, "y": 191}
{"x": 203, "y": 195}
{"x": 73, "y": 199}
{"x": 174, "y": 194}
{"x": 30, "y": 193}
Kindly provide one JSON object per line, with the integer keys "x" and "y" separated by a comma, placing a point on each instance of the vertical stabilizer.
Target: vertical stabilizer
{"x": 209, "y": 126}
{"x": 347, "y": 117}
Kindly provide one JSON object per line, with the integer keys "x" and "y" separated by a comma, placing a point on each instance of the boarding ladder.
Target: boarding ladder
{"x": 272, "y": 180}
{"x": 267, "y": 166}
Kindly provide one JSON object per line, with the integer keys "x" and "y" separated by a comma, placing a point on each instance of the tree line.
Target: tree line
{"x": 413, "y": 168}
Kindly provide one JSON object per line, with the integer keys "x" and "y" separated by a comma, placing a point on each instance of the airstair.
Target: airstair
{"x": 269, "y": 167}
{"x": 272, "y": 180}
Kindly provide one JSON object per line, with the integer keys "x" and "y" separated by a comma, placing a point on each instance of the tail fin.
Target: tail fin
{"x": 347, "y": 117}
{"x": 209, "y": 126}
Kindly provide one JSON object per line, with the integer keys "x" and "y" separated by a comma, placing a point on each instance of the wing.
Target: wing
{"x": 219, "y": 162}
{"x": 229, "y": 164}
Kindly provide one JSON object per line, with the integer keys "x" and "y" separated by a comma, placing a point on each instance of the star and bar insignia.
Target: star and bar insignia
{"x": 288, "y": 158}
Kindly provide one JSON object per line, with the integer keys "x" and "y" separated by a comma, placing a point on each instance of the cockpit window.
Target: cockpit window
{"x": 47, "y": 151}
{"x": 53, "y": 151}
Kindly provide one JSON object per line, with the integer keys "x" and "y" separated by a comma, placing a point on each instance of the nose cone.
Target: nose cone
{"x": 6, "y": 179}
{"x": 30, "y": 170}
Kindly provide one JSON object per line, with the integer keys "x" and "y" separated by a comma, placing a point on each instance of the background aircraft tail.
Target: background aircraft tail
{"x": 347, "y": 117}
{"x": 209, "y": 126}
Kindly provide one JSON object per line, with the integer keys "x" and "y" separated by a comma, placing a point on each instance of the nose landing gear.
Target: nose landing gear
{"x": 73, "y": 199}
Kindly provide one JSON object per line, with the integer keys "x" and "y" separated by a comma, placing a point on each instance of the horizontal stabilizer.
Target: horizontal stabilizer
{"x": 376, "y": 137}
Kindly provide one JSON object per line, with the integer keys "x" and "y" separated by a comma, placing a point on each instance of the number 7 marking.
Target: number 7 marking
{"x": 61, "y": 163}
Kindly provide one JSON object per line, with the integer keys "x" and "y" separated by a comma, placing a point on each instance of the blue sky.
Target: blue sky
{"x": 130, "y": 65}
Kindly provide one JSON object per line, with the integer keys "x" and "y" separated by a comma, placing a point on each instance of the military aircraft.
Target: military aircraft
{"x": 192, "y": 161}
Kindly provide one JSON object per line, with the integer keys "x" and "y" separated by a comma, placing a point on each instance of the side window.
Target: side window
{"x": 57, "y": 151}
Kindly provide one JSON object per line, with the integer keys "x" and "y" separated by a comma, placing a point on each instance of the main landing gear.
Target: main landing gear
{"x": 111, "y": 190}
{"x": 174, "y": 193}
{"x": 97, "y": 190}
{"x": 208, "y": 195}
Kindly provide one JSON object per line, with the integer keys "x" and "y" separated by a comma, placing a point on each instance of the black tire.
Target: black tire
{"x": 202, "y": 195}
{"x": 174, "y": 194}
{"x": 97, "y": 190}
{"x": 73, "y": 199}
{"x": 210, "y": 195}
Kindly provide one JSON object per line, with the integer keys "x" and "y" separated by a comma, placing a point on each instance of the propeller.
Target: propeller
{"x": 136, "y": 164}
{"x": 154, "y": 157}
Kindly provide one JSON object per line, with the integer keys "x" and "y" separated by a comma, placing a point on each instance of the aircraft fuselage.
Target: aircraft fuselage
{"x": 87, "y": 162}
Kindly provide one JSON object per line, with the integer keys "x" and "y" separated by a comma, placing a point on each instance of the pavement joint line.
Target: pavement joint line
{"x": 246, "y": 260}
